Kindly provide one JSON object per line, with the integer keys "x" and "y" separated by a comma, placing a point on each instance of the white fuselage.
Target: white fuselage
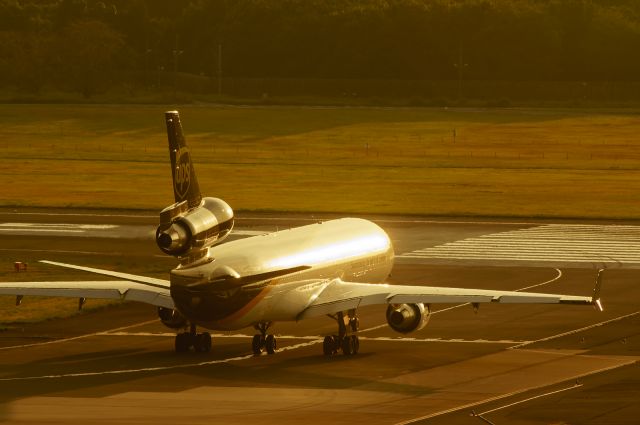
{"x": 349, "y": 249}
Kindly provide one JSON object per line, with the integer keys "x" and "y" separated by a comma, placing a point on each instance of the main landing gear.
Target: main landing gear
{"x": 347, "y": 338}
{"x": 262, "y": 341}
{"x": 201, "y": 342}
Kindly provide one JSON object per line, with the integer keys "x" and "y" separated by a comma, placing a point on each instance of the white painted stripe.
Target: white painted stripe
{"x": 314, "y": 341}
{"x": 553, "y": 259}
{"x": 528, "y": 246}
{"x": 551, "y": 256}
{"x": 5, "y": 229}
{"x": 73, "y": 338}
{"x": 318, "y": 337}
{"x": 60, "y": 251}
{"x": 537, "y": 243}
{"x": 58, "y": 214}
{"x": 573, "y": 387}
{"x": 511, "y": 394}
{"x": 52, "y": 227}
{"x": 558, "y": 240}
{"x": 560, "y": 234}
{"x": 575, "y": 331}
{"x": 551, "y": 243}
{"x": 157, "y": 368}
{"x": 60, "y": 225}
{"x": 577, "y": 256}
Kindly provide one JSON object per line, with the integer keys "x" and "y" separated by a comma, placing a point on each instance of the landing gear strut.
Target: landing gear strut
{"x": 201, "y": 342}
{"x": 262, "y": 341}
{"x": 347, "y": 338}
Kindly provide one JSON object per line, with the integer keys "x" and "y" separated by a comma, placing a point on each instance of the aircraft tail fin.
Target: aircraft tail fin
{"x": 185, "y": 183}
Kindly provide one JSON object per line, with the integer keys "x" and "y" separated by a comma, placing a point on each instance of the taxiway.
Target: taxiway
{"x": 503, "y": 364}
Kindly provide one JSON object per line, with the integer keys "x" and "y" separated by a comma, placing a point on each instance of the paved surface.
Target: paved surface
{"x": 558, "y": 244}
{"x": 505, "y": 364}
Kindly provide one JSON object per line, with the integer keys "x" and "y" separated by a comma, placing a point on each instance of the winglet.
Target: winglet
{"x": 595, "y": 298}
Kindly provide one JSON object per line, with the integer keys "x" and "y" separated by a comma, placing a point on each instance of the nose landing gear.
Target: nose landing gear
{"x": 347, "y": 339}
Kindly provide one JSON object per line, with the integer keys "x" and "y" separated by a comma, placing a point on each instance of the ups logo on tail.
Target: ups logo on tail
{"x": 182, "y": 175}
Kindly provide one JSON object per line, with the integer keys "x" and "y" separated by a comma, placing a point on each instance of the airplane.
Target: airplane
{"x": 330, "y": 268}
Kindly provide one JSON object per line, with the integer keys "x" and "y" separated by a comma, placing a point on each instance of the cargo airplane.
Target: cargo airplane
{"x": 324, "y": 269}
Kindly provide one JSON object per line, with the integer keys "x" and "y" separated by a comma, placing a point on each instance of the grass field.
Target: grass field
{"x": 463, "y": 162}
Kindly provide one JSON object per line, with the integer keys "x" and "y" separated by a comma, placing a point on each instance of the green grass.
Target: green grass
{"x": 524, "y": 162}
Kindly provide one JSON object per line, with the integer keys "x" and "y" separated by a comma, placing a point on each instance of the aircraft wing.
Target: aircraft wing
{"x": 129, "y": 287}
{"x": 339, "y": 296}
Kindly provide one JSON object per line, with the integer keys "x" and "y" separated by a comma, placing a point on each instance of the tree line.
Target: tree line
{"x": 88, "y": 46}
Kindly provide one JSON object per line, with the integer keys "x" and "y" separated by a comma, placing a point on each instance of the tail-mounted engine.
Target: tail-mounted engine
{"x": 193, "y": 224}
{"x": 405, "y": 318}
{"x": 183, "y": 231}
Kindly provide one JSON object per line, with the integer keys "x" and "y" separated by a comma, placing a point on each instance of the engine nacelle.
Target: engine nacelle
{"x": 405, "y": 318}
{"x": 182, "y": 230}
{"x": 171, "y": 318}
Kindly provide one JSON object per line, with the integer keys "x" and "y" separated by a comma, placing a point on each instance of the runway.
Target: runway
{"x": 503, "y": 364}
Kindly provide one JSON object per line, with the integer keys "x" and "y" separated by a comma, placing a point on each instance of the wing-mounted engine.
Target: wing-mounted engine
{"x": 185, "y": 232}
{"x": 406, "y": 318}
{"x": 172, "y": 318}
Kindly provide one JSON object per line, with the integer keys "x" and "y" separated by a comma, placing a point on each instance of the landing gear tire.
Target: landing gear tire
{"x": 329, "y": 345}
{"x": 257, "y": 344}
{"x": 355, "y": 344}
{"x": 270, "y": 344}
{"x": 347, "y": 346}
{"x": 347, "y": 339}
{"x": 203, "y": 342}
{"x": 262, "y": 341}
{"x": 183, "y": 342}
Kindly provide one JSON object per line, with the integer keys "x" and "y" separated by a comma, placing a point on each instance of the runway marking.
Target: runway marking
{"x": 53, "y": 227}
{"x": 511, "y": 394}
{"x": 558, "y": 276}
{"x": 595, "y": 325}
{"x": 59, "y": 226}
{"x": 320, "y": 338}
{"x": 156, "y": 368}
{"x": 83, "y": 228}
{"x": 573, "y": 387}
{"x": 574, "y": 243}
{"x": 62, "y": 251}
{"x": 42, "y": 230}
{"x": 79, "y": 215}
{"x": 293, "y": 218}
{"x": 73, "y": 338}
{"x": 312, "y": 341}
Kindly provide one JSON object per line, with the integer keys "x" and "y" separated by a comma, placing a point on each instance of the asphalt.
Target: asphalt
{"x": 503, "y": 364}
